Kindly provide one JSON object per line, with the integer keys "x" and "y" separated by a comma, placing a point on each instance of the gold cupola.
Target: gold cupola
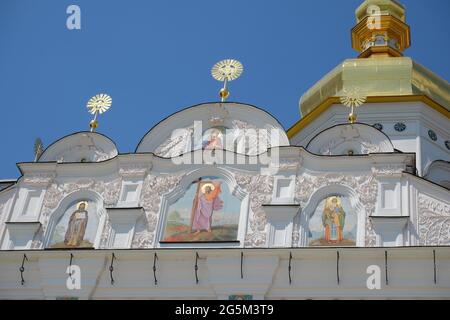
{"x": 381, "y": 29}
{"x": 380, "y": 72}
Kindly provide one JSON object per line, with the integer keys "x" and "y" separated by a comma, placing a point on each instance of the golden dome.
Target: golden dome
{"x": 387, "y": 76}
{"x": 380, "y": 72}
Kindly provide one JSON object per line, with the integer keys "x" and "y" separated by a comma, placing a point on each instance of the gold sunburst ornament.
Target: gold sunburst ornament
{"x": 224, "y": 71}
{"x": 352, "y": 98}
{"x": 96, "y": 105}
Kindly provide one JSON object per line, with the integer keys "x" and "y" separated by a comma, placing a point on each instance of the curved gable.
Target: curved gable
{"x": 350, "y": 139}
{"x": 214, "y": 125}
{"x": 80, "y": 147}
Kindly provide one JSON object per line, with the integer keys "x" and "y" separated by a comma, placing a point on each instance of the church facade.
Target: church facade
{"x": 219, "y": 201}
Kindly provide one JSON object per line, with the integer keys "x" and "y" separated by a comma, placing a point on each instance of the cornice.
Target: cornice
{"x": 322, "y": 107}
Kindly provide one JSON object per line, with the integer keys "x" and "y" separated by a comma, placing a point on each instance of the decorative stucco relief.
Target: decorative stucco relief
{"x": 365, "y": 186}
{"x": 105, "y": 236}
{"x": 86, "y": 143}
{"x": 257, "y": 139}
{"x": 289, "y": 164}
{"x": 153, "y": 189}
{"x": 259, "y": 188}
{"x": 433, "y": 221}
{"x": 99, "y": 155}
{"x": 389, "y": 170}
{"x": 36, "y": 244}
{"x": 349, "y": 134}
{"x": 56, "y": 192}
{"x": 39, "y": 179}
{"x": 134, "y": 170}
{"x": 177, "y": 144}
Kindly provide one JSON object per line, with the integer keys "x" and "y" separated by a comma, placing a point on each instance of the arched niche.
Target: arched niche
{"x": 232, "y": 214}
{"x": 60, "y": 220}
{"x": 350, "y": 139}
{"x": 314, "y": 203}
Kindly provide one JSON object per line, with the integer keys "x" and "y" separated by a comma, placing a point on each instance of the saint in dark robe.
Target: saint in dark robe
{"x": 77, "y": 226}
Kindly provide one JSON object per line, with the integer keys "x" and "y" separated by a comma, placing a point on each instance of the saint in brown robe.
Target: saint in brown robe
{"x": 77, "y": 227}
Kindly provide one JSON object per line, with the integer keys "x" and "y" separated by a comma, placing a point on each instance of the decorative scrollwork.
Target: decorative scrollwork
{"x": 433, "y": 221}
{"x": 389, "y": 170}
{"x": 153, "y": 189}
{"x": 177, "y": 144}
{"x": 365, "y": 186}
{"x": 38, "y": 179}
{"x": 56, "y": 192}
{"x": 259, "y": 188}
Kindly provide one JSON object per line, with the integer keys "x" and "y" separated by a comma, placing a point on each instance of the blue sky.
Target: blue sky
{"x": 154, "y": 58}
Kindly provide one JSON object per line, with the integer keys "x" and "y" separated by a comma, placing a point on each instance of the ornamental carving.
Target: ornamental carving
{"x": 36, "y": 244}
{"x": 86, "y": 143}
{"x": 153, "y": 189}
{"x": 388, "y": 170}
{"x": 218, "y": 115}
{"x": 52, "y": 197}
{"x": 251, "y": 140}
{"x": 349, "y": 134}
{"x": 56, "y": 192}
{"x": 433, "y": 222}
{"x": 256, "y": 140}
{"x": 143, "y": 238}
{"x": 259, "y": 188}
{"x": 99, "y": 155}
{"x": 289, "y": 164}
{"x": 134, "y": 170}
{"x": 105, "y": 235}
{"x": 365, "y": 186}
{"x": 176, "y": 144}
{"x": 38, "y": 180}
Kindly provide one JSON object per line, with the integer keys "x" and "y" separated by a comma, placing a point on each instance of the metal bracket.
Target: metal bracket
{"x": 22, "y": 269}
{"x": 111, "y": 268}
{"x": 290, "y": 267}
{"x": 386, "y": 267}
{"x": 337, "y": 267}
{"x": 242, "y": 262}
{"x": 434, "y": 264}
{"x": 196, "y": 267}
{"x": 70, "y": 265}
{"x": 155, "y": 257}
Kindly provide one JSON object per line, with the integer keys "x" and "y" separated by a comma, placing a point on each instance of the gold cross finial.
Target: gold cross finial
{"x": 352, "y": 98}
{"x": 226, "y": 70}
{"x": 97, "y": 105}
